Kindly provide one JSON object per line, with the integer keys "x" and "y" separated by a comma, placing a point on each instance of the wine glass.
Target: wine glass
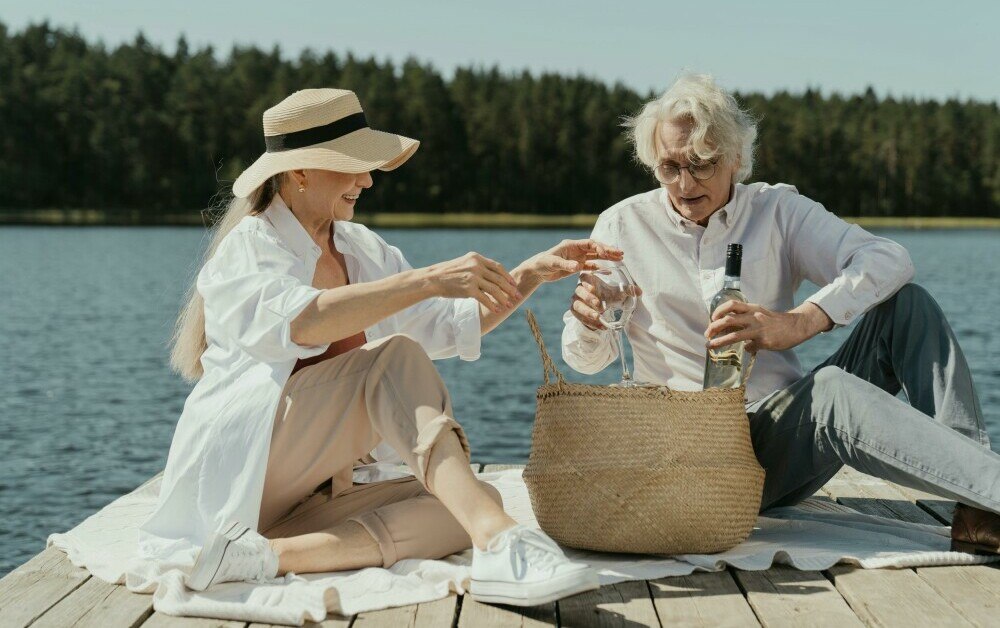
{"x": 618, "y": 294}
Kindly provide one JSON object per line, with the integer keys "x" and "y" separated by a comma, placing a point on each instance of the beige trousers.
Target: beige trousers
{"x": 331, "y": 415}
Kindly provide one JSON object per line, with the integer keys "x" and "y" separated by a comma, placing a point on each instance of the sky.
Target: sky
{"x": 905, "y": 49}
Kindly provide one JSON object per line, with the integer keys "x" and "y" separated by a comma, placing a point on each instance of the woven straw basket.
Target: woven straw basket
{"x": 641, "y": 470}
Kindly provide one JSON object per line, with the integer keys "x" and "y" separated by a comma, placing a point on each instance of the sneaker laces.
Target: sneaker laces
{"x": 246, "y": 557}
{"x": 528, "y": 547}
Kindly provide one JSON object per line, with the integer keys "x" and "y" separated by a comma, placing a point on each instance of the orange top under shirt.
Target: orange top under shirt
{"x": 337, "y": 347}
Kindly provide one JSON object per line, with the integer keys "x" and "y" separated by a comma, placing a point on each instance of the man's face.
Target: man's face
{"x": 693, "y": 199}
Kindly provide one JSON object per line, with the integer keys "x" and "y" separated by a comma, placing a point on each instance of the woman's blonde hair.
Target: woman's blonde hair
{"x": 721, "y": 127}
{"x": 189, "y": 341}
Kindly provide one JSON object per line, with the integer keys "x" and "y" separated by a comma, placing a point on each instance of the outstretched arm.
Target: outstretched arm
{"x": 564, "y": 259}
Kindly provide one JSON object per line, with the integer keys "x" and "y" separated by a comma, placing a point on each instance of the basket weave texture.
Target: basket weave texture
{"x": 641, "y": 470}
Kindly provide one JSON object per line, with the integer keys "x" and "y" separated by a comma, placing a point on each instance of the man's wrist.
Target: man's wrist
{"x": 816, "y": 320}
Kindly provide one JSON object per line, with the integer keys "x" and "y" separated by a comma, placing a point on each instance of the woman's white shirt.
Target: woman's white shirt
{"x": 256, "y": 283}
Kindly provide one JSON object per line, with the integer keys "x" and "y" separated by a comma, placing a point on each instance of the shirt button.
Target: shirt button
{"x": 848, "y": 314}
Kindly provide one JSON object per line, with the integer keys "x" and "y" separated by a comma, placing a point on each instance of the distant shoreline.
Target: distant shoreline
{"x": 387, "y": 220}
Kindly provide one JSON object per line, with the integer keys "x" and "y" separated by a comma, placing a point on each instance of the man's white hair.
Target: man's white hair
{"x": 721, "y": 129}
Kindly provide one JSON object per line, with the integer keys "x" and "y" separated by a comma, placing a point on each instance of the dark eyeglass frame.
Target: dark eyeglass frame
{"x": 669, "y": 173}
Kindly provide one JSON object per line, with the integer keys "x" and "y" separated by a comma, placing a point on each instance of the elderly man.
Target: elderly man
{"x": 699, "y": 145}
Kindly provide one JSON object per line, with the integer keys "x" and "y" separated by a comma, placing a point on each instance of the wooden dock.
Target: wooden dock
{"x": 49, "y": 591}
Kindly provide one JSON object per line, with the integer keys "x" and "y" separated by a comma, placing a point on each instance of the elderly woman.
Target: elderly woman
{"x": 311, "y": 340}
{"x": 698, "y": 144}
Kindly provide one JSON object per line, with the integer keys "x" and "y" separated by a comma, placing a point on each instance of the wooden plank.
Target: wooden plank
{"x": 332, "y": 621}
{"x": 473, "y": 614}
{"x": 784, "y": 596}
{"x": 162, "y": 620}
{"x": 36, "y": 586}
{"x": 974, "y": 591}
{"x": 98, "y": 604}
{"x": 875, "y": 497}
{"x": 702, "y": 599}
{"x": 621, "y": 604}
{"x": 942, "y": 509}
{"x": 436, "y": 614}
{"x": 401, "y": 616}
{"x": 892, "y": 597}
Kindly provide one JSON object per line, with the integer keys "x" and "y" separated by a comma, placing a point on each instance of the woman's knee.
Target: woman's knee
{"x": 401, "y": 343}
{"x": 399, "y": 351}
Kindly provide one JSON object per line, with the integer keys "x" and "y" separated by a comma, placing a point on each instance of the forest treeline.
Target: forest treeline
{"x": 83, "y": 125}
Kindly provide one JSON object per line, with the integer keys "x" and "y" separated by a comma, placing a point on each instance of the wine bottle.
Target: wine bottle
{"x": 724, "y": 365}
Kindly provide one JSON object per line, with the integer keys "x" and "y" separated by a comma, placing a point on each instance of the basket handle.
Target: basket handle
{"x": 746, "y": 377}
{"x": 548, "y": 366}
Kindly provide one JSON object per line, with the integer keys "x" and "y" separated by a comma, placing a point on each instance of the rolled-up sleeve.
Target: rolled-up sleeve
{"x": 854, "y": 269}
{"x": 586, "y": 350}
{"x": 445, "y": 328}
{"x": 252, "y": 297}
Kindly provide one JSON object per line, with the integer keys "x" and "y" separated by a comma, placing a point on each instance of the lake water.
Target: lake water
{"x": 88, "y": 405}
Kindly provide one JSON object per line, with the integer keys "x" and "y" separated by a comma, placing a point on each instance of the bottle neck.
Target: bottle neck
{"x": 731, "y": 282}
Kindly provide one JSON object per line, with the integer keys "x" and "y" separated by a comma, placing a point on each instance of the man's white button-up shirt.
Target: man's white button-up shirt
{"x": 786, "y": 238}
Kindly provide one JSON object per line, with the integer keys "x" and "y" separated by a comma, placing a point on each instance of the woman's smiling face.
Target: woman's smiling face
{"x": 693, "y": 199}
{"x": 334, "y": 194}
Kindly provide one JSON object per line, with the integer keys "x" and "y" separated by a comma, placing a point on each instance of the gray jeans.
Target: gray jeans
{"x": 845, "y": 412}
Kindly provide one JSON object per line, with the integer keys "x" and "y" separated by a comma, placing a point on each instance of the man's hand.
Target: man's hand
{"x": 586, "y": 303}
{"x": 761, "y": 328}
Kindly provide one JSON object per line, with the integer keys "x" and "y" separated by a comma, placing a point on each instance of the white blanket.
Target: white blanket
{"x": 814, "y": 535}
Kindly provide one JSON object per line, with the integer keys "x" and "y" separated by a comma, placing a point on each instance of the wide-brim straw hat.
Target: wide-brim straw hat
{"x": 323, "y": 129}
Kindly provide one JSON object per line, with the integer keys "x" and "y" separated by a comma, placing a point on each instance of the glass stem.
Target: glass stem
{"x": 620, "y": 344}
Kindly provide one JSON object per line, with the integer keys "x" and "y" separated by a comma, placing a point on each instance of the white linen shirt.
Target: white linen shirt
{"x": 680, "y": 266}
{"x": 258, "y": 280}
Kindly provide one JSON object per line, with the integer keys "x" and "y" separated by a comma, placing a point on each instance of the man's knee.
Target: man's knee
{"x": 834, "y": 390}
{"x": 830, "y": 378}
{"x": 912, "y": 298}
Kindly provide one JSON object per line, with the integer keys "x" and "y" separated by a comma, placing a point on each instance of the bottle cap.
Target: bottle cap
{"x": 734, "y": 260}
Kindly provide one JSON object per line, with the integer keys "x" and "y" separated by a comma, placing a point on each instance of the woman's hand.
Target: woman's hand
{"x": 473, "y": 275}
{"x": 762, "y": 328}
{"x": 569, "y": 257}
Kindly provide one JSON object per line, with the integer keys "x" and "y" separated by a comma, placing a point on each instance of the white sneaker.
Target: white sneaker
{"x": 524, "y": 567}
{"x": 233, "y": 554}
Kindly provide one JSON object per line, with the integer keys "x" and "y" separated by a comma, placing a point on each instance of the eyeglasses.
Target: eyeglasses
{"x": 670, "y": 173}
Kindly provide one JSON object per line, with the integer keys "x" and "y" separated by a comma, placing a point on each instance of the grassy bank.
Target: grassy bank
{"x": 93, "y": 217}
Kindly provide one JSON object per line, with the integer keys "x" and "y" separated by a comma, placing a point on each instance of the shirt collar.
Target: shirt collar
{"x": 725, "y": 213}
{"x": 290, "y": 229}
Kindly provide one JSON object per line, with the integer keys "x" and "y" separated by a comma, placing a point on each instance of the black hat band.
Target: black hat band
{"x": 317, "y": 134}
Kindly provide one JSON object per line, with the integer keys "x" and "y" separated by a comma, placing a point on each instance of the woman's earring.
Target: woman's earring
{"x": 302, "y": 188}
